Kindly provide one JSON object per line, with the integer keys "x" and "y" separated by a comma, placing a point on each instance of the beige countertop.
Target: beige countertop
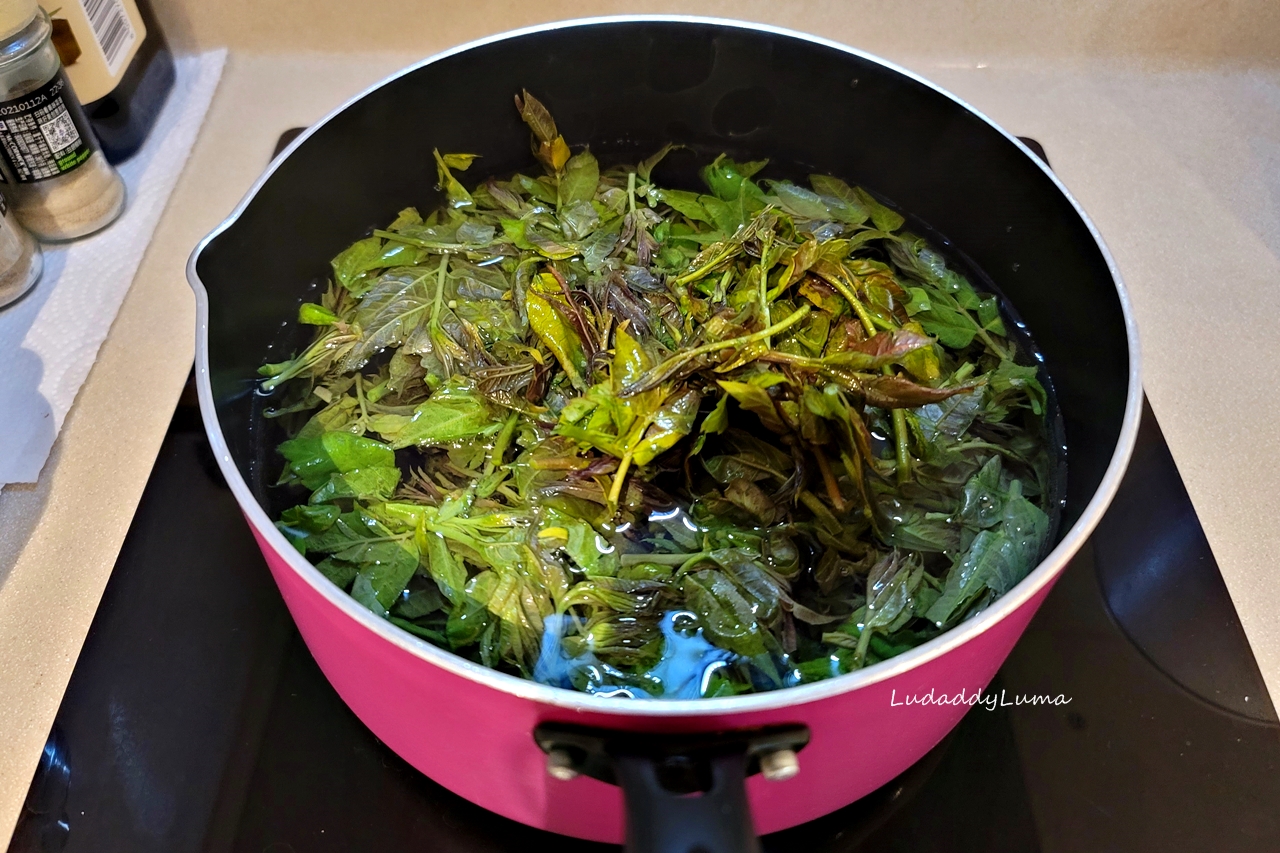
{"x": 1169, "y": 135}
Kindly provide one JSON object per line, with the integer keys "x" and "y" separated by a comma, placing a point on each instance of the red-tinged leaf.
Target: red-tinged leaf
{"x": 879, "y": 350}
{"x": 537, "y": 116}
{"x": 747, "y": 496}
{"x": 898, "y": 392}
{"x": 823, "y": 296}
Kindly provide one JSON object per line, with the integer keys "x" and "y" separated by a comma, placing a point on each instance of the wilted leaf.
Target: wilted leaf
{"x": 556, "y": 332}
{"x": 312, "y": 460}
{"x": 451, "y": 415}
{"x": 898, "y": 392}
{"x": 578, "y": 183}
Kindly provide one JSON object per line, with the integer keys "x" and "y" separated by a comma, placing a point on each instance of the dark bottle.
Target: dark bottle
{"x": 119, "y": 66}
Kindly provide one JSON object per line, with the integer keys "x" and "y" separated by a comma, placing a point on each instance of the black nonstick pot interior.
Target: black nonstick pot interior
{"x": 626, "y": 88}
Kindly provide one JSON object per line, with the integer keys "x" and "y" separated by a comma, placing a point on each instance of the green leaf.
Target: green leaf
{"x": 684, "y": 203}
{"x": 884, "y": 218}
{"x": 315, "y": 315}
{"x": 578, "y": 219}
{"x": 360, "y": 257}
{"x": 362, "y": 547}
{"x": 386, "y": 569}
{"x": 889, "y": 590}
{"x": 445, "y": 569}
{"x": 1025, "y": 527}
{"x": 949, "y": 418}
{"x": 362, "y": 591}
{"x": 918, "y": 301}
{"x": 800, "y": 201}
{"x": 951, "y": 327}
{"x": 548, "y": 246}
{"x": 461, "y": 162}
{"x": 551, "y": 326}
{"x": 300, "y": 522}
{"x": 455, "y": 192}
{"x": 391, "y": 310}
{"x": 542, "y": 189}
{"x": 593, "y": 554}
{"x": 580, "y": 178}
{"x": 672, "y": 422}
{"x": 630, "y": 360}
{"x": 841, "y": 200}
{"x": 718, "y": 420}
{"x": 363, "y": 483}
{"x": 918, "y": 532}
{"x": 597, "y": 248}
{"x": 1010, "y": 376}
{"x": 467, "y": 623}
{"x": 407, "y": 218}
{"x": 513, "y": 230}
{"x": 727, "y": 216}
{"x": 728, "y": 180}
{"x": 725, "y": 616}
{"x": 983, "y": 561}
{"x": 339, "y": 572}
{"x": 309, "y": 519}
{"x": 982, "y": 505}
{"x": 452, "y": 414}
{"x": 475, "y": 233}
{"x": 312, "y": 460}
{"x": 989, "y": 316}
{"x": 646, "y": 166}
{"x": 996, "y": 559}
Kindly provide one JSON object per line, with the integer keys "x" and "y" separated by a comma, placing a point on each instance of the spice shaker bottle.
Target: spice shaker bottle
{"x": 60, "y": 183}
{"x": 119, "y": 64}
{"x": 21, "y": 261}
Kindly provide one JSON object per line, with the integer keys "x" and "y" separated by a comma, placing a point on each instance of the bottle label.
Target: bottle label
{"x": 44, "y": 133}
{"x": 111, "y": 30}
{"x": 96, "y": 40}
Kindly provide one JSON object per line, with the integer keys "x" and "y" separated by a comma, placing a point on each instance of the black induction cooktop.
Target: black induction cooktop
{"x": 196, "y": 719}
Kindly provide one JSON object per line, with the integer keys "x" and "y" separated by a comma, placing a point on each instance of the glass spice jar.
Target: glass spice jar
{"x": 60, "y": 184}
{"x": 21, "y": 260}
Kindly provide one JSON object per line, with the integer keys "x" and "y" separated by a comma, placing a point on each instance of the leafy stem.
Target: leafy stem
{"x": 438, "y": 302}
{"x": 668, "y": 367}
{"x": 900, "y": 441}
{"x": 766, "y": 243}
{"x": 693, "y": 275}
{"x": 434, "y": 246}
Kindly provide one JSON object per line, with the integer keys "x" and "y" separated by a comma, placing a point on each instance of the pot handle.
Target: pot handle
{"x": 684, "y": 793}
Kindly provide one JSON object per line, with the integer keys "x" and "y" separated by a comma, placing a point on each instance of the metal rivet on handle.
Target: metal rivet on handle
{"x": 779, "y": 765}
{"x": 560, "y": 765}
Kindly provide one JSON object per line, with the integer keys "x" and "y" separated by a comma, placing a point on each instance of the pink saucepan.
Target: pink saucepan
{"x": 553, "y": 758}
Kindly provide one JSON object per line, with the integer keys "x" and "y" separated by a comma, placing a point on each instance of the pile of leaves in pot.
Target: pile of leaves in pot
{"x": 652, "y": 442}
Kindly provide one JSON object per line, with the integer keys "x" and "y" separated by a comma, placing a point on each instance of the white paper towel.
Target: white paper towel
{"x": 49, "y": 340}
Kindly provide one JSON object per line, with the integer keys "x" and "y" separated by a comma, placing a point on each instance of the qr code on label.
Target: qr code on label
{"x": 59, "y": 131}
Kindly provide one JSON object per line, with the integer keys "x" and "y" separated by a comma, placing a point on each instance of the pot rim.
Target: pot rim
{"x": 1040, "y": 577}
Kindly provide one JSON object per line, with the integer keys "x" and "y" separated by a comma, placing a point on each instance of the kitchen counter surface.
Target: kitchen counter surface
{"x": 1180, "y": 169}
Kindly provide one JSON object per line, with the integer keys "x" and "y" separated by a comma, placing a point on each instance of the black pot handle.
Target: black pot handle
{"x": 683, "y": 793}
